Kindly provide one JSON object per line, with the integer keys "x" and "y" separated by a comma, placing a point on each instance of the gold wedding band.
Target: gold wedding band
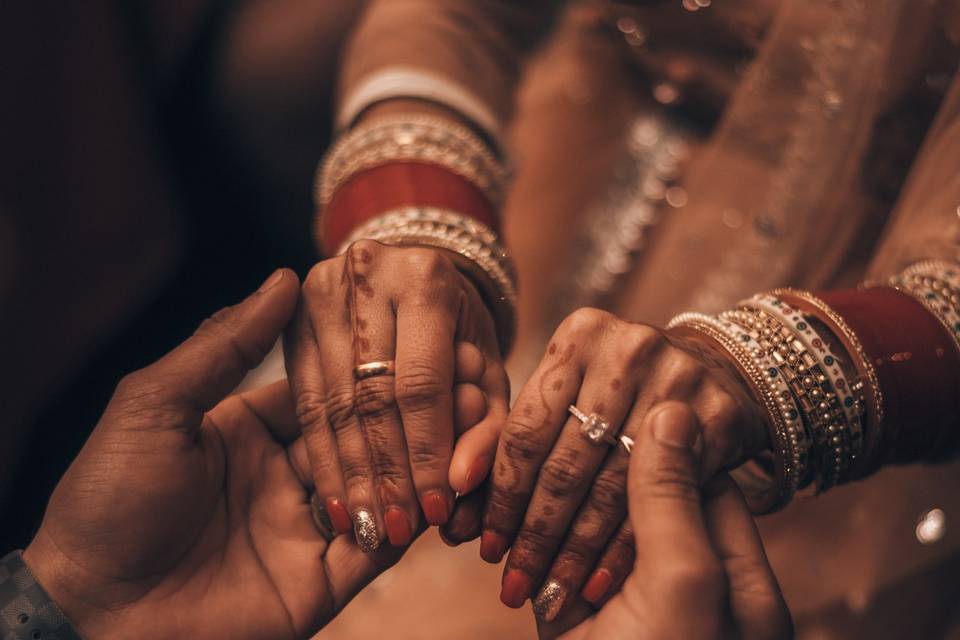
{"x": 372, "y": 369}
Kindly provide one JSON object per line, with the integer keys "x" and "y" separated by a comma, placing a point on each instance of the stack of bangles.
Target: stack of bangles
{"x": 849, "y": 380}
{"x": 421, "y": 181}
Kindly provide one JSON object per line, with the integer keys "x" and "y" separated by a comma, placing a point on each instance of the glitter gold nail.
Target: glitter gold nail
{"x": 549, "y": 601}
{"x": 365, "y": 528}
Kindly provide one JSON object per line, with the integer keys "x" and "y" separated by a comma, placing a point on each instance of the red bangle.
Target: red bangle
{"x": 918, "y": 367}
{"x": 400, "y": 184}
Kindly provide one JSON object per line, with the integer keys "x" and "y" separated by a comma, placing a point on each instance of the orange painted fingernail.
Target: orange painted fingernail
{"x": 492, "y": 547}
{"x": 339, "y": 516}
{"x": 436, "y": 508}
{"x": 516, "y": 588}
{"x": 398, "y": 526}
{"x": 475, "y": 474}
{"x": 597, "y": 586}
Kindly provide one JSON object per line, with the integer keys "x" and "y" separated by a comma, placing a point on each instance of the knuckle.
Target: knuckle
{"x": 374, "y": 399}
{"x": 608, "y": 494}
{"x": 428, "y": 264}
{"x": 311, "y": 408}
{"x": 337, "y": 408}
{"x": 502, "y": 509}
{"x": 534, "y": 544}
{"x": 687, "y": 372}
{"x": 561, "y": 476}
{"x": 521, "y": 441}
{"x": 319, "y": 279}
{"x": 427, "y": 458}
{"x": 641, "y": 342}
{"x": 580, "y": 550}
{"x": 387, "y": 469}
{"x": 585, "y": 321}
{"x": 365, "y": 246}
{"x": 419, "y": 386}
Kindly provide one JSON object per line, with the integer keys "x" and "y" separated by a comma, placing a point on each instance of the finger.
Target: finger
{"x": 474, "y": 451}
{"x": 465, "y": 521}
{"x": 530, "y": 432}
{"x": 302, "y": 361}
{"x": 426, "y": 327}
{"x": 673, "y": 548}
{"x": 615, "y": 564}
{"x": 565, "y": 480}
{"x": 755, "y": 598}
{"x": 349, "y": 568}
{"x": 199, "y": 373}
{"x": 469, "y": 407}
{"x": 469, "y": 363}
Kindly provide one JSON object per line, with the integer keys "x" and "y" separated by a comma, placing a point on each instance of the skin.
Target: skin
{"x": 389, "y": 443}
{"x": 700, "y": 572}
{"x": 187, "y": 512}
{"x": 557, "y": 500}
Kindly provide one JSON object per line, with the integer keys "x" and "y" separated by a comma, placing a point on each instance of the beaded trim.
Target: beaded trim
{"x": 411, "y": 138}
{"x": 936, "y": 284}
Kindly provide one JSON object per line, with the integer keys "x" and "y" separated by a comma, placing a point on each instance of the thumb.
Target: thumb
{"x": 200, "y": 372}
{"x": 663, "y": 491}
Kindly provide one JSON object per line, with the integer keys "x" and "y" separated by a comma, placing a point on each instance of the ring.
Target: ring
{"x": 593, "y": 427}
{"x": 371, "y": 369}
{"x": 627, "y": 443}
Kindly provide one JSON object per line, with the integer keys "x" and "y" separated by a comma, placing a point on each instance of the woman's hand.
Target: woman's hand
{"x": 700, "y": 571}
{"x": 557, "y": 498}
{"x": 384, "y": 448}
{"x": 186, "y": 515}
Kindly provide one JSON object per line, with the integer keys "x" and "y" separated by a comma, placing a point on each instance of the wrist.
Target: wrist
{"x": 73, "y": 590}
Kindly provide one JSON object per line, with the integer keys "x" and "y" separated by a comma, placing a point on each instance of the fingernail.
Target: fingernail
{"x": 516, "y": 588}
{"x": 676, "y": 427}
{"x": 272, "y": 281}
{"x": 365, "y": 528}
{"x": 549, "y": 601}
{"x": 321, "y": 518}
{"x": 492, "y": 546}
{"x": 436, "y": 508}
{"x": 339, "y": 517}
{"x": 476, "y": 473}
{"x": 398, "y": 526}
{"x": 597, "y": 586}
{"x": 447, "y": 541}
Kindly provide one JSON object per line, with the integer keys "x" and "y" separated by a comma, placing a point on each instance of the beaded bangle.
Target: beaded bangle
{"x": 425, "y": 139}
{"x": 866, "y": 372}
{"x": 808, "y": 384}
{"x": 444, "y": 229}
{"x": 936, "y": 284}
{"x": 777, "y": 493}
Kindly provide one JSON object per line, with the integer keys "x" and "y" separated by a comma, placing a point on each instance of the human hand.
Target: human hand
{"x": 558, "y": 499}
{"x": 700, "y": 572}
{"x": 187, "y": 515}
{"x": 384, "y": 447}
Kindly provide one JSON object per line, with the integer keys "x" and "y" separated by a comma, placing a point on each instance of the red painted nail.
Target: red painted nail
{"x": 398, "y": 527}
{"x": 476, "y": 474}
{"x": 436, "y": 508}
{"x": 492, "y": 547}
{"x": 516, "y": 588}
{"x": 597, "y": 586}
{"x": 339, "y": 517}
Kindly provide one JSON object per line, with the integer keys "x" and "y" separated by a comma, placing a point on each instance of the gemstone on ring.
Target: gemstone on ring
{"x": 592, "y": 427}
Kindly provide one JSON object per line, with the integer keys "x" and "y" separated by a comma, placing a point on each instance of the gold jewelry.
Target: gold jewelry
{"x": 373, "y": 369}
{"x": 411, "y": 138}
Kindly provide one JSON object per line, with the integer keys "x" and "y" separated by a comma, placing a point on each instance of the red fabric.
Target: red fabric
{"x": 399, "y": 184}
{"x": 918, "y": 365}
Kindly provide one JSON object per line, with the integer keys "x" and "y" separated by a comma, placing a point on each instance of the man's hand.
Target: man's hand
{"x": 700, "y": 571}
{"x": 186, "y": 515}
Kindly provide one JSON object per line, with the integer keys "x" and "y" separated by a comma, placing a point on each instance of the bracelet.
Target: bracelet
{"x": 788, "y": 460}
{"x": 808, "y": 385}
{"x": 866, "y": 371}
{"x": 936, "y": 284}
{"x": 411, "y": 138}
{"x": 26, "y": 611}
{"x": 818, "y": 383}
{"x": 494, "y": 271}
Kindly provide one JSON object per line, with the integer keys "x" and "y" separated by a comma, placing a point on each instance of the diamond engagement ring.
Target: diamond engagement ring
{"x": 593, "y": 427}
